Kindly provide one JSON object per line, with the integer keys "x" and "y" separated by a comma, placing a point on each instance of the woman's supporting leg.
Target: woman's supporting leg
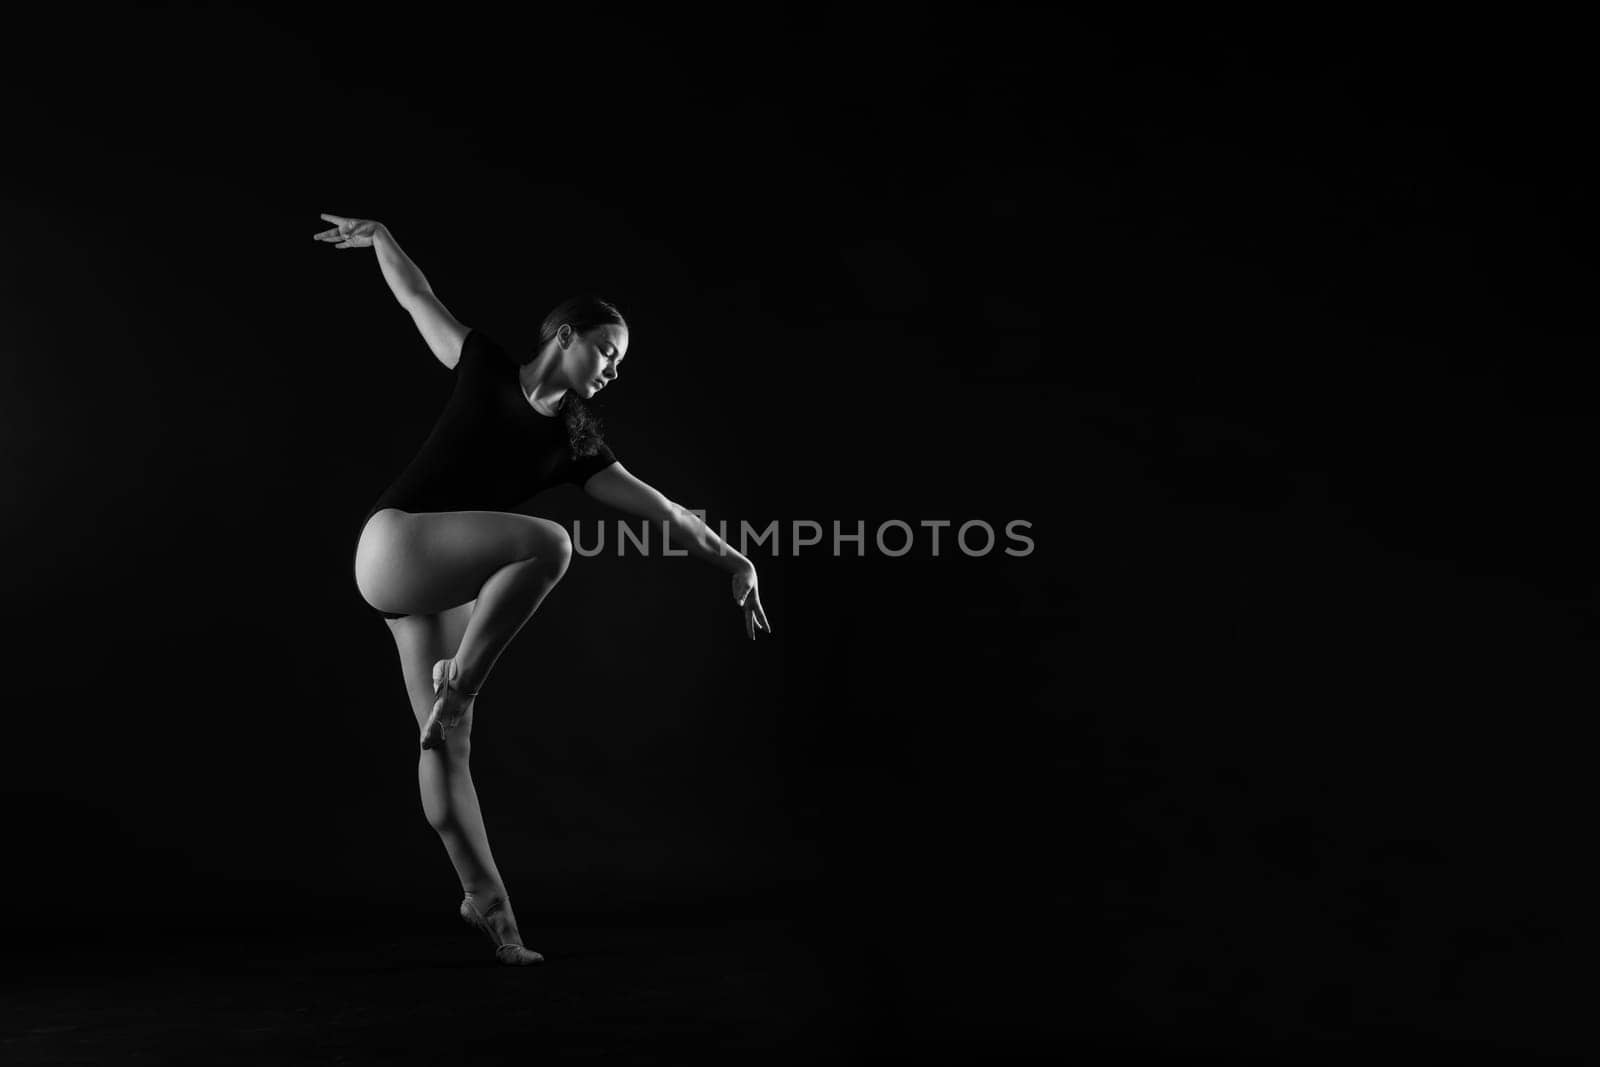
{"x": 444, "y": 775}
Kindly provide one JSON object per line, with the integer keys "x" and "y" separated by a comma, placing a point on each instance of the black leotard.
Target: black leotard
{"x": 490, "y": 450}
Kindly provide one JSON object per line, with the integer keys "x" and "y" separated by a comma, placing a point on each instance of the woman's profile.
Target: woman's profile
{"x": 451, "y": 567}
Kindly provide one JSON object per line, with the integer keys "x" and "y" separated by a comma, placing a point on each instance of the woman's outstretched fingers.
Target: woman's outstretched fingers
{"x": 352, "y": 233}
{"x": 338, "y": 230}
{"x": 745, "y": 594}
{"x": 754, "y": 618}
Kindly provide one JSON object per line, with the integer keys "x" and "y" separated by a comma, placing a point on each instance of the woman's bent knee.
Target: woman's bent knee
{"x": 558, "y": 553}
{"x": 546, "y": 540}
{"x": 547, "y": 550}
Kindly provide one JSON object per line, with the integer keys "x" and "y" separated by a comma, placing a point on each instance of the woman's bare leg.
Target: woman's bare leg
{"x": 468, "y": 581}
{"x": 428, "y": 562}
{"x": 444, "y": 775}
{"x": 508, "y": 599}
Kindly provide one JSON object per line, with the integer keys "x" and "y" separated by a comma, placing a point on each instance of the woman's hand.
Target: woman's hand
{"x": 748, "y": 598}
{"x": 351, "y": 233}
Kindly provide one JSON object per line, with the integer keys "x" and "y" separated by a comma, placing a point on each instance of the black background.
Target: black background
{"x": 1278, "y": 335}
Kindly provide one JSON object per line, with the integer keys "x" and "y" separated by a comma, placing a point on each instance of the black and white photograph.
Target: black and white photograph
{"x": 804, "y": 534}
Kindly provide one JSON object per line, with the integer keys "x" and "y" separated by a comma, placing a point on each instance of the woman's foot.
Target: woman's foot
{"x": 491, "y": 913}
{"x": 450, "y": 704}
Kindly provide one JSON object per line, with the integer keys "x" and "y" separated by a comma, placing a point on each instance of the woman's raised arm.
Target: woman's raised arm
{"x": 438, "y": 327}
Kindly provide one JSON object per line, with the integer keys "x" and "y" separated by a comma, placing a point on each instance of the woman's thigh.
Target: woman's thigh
{"x": 426, "y": 562}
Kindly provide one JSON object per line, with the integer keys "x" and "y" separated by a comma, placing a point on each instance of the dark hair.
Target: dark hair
{"x": 582, "y": 313}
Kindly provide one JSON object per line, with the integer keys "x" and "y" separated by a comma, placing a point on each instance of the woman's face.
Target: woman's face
{"x": 591, "y": 359}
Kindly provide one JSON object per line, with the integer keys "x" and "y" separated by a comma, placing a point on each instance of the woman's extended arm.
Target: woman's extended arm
{"x": 403, "y": 276}
{"x": 438, "y": 327}
{"x": 616, "y": 486}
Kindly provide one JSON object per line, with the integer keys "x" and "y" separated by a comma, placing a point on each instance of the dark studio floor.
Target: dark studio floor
{"x": 749, "y": 991}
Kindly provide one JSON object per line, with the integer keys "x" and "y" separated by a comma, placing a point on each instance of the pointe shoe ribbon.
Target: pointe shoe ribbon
{"x": 449, "y": 706}
{"x": 508, "y": 952}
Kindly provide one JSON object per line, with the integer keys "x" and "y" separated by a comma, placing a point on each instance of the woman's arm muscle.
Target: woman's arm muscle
{"x": 411, "y": 289}
{"x": 438, "y": 327}
{"x": 615, "y": 486}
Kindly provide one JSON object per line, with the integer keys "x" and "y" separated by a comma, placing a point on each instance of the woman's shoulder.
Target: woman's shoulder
{"x": 479, "y": 338}
{"x": 482, "y": 346}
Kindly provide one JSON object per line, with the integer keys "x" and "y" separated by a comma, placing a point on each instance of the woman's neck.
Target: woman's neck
{"x": 542, "y": 394}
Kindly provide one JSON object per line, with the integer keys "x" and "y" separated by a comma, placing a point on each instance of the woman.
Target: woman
{"x": 456, "y": 573}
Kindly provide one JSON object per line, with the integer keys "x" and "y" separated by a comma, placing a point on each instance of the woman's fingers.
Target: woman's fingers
{"x": 749, "y": 601}
{"x": 754, "y": 617}
{"x": 345, "y": 228}
{"x": 351, "y": 233}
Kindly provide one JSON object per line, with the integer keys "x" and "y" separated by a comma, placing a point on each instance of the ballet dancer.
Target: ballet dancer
{"x": 456, "y": 573}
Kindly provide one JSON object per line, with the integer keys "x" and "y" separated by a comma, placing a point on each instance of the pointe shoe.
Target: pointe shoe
{"x": 450, "y": 704}
{"x": 505, "y": 951}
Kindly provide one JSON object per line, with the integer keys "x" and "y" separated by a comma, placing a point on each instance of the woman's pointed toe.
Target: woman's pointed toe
{"x": 501, "y": 931}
